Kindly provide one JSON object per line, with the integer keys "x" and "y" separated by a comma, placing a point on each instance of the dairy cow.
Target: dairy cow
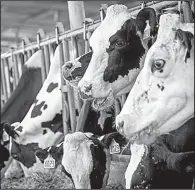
{"x": 42, "y": 125}
{"x": 85, "y": 158}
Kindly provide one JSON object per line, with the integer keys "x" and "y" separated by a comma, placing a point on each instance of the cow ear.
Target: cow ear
{"x": 182, "y": 162}
{"x": 185, "y": 37}
{"x": 145, "y": 14}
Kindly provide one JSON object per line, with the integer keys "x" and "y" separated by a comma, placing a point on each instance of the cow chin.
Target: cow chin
{"x": 102, "y": 104}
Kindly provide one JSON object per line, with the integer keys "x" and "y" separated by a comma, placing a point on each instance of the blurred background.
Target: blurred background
{"x": 20, "y": 19}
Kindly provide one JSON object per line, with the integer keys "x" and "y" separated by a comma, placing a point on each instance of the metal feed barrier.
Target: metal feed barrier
{"x": 68, "y": 46}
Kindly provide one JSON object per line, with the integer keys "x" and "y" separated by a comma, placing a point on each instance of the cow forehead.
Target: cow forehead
{"x": 115, "y": 18}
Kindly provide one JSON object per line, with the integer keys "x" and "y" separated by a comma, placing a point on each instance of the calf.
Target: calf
{"x": 85, "y": 157}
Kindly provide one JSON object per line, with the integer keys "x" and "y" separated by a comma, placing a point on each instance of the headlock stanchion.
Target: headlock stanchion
{"x": 69, "y": 48}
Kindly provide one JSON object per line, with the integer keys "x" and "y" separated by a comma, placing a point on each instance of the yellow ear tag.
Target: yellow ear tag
{"x": 114, "y": 147}
{"x": 49, "y": 162}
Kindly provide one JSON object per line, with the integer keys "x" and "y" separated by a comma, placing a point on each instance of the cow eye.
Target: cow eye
{"x": 120, "y": 43}
{"x": 159, "y": 64}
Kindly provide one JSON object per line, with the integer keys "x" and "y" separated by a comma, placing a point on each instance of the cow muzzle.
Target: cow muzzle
{"x": 85, "y": 90}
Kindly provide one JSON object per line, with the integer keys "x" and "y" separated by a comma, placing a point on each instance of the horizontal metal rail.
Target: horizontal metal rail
{"x": 71, "y": 33}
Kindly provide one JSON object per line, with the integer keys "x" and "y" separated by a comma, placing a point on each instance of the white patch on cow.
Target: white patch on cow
{"x": 137, "y": 153}
{"x": 34, "y": 61}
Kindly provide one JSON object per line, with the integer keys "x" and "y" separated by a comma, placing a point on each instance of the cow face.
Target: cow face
{"x": 93, "y": 169}
{"x": 115, "y": 63}
{"x": 162, "y": 98}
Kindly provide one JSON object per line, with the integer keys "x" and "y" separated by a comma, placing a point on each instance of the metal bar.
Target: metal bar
{"x": 3, "y": 80}
{"x": 15, "y": 66}
{"x": 187, "y": 12}
{"x": 83, "y": 115}
{"x": 47, "y": 58}
{"x": 71, "y": 33}
{"x": 8, "y": 82}
{"x": 65, "y": 110}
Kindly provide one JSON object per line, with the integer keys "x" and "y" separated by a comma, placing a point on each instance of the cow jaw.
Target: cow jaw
{"x": 101, "y": 104}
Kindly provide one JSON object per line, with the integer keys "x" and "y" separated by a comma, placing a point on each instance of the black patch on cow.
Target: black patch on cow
{"x": 161, "y": 87}
{"x": 20, "y": 128}
{"x": 4, "y": 156}
{"x": 126, "y": 57}
{"x": 24, "y": 153}
{"x": 45, "y": 106}
{"x": 44, "y": 131}
{"x": 99, "y": 166}
{"x": 37, "y": 109}
{"x": 52, "y": 86}
{"x": 55, "y": 125}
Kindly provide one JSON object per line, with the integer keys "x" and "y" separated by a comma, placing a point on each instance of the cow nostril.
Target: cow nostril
{"x": 120, "y": 124}
{"x": 88, "y": 88}
{"x": 15, "y": 156}
{"x": 69, "y": 65}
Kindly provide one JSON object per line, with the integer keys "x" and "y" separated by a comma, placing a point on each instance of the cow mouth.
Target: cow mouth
{"x": 73, "y": 81}
{"x": 103, "y": 103}
{"x": 144, "y": 136}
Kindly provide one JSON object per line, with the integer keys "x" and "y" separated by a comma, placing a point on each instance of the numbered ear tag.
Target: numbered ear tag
{"x": 49, "y": 162}
{"x": 146, "y": 33}
{"x": 114, "y": 147}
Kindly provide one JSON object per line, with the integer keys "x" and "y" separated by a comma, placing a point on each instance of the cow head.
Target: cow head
{"x": 87, "y": 160}
{"x": 162, "y": 98}
{"x": 116, "y": 52}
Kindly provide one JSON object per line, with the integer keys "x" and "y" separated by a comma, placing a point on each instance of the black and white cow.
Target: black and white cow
{"x": 117, "y": 50}
{"x": 42, "y": 125}
{"x": 85, "y": 158}
{"x": 169, "y": 162}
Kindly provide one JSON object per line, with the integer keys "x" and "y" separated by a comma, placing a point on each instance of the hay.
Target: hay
{"x": 58, "y": 180}
{"x": 39, "y": 180}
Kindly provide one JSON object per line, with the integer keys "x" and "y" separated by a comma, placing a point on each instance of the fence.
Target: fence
{"x": 67, "y": 41}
